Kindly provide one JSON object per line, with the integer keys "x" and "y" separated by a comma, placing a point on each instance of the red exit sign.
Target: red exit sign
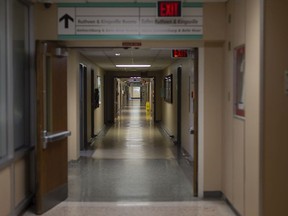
{"x": 169, "y": 8}
{"x": 179, "y": 53}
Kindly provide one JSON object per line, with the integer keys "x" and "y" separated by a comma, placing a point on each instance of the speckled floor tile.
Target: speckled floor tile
{"x": 196, "y": 208}
{"x": 128, "y": 180}
{"x": 133, "y": 172}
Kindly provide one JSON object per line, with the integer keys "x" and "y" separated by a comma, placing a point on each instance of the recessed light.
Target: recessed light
{"x": 133, "y": 66}
{"x": 117, "y": 54}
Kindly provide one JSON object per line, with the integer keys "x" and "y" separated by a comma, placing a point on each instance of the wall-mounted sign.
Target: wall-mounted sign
{"x": 131, "y": 44}
{"x": 176, "y": 53}
{"x": 239, "y": 81}
{"x": 130, "y": 20}
{"x": 169, "y": 8}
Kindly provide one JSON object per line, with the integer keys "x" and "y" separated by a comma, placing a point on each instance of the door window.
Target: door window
{"x": 21, "y": 78}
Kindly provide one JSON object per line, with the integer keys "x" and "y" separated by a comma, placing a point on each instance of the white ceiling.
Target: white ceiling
{"x": 106, "y": 58}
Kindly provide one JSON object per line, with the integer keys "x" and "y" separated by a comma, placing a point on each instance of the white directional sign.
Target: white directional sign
{"x": 127, "y": 21}
{"x": 66, "y": 21}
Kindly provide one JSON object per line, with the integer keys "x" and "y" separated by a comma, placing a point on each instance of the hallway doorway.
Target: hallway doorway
{"x": 133, "y": 161}
{"x": 134, "y": 88}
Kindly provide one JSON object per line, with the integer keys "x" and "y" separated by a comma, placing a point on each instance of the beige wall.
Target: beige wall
{"x": 15, "y": 181}
{"x": 213, "y": 97}
{"x": 45, "y": 21}
{"x": 5, "y": 191}
{"x": 214, "y": 21}
{"x": 169, "y": 116}
{"x": 187, "y": 139}
{"x": 73, "y": 79}
{"x": 22, "y": 180}
{"x": 241, "y": 143}
{"x": 213, "y": 74}
{"x": 169, "y": 110}
{"x": 275, "y": 128}
{"x": 233, "y": 133}
{"x": 73, "y": 99}
{"x": 253, "y": 108}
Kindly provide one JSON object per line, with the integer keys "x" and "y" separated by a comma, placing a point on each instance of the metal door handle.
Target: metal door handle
{"x": 52, "y": 137}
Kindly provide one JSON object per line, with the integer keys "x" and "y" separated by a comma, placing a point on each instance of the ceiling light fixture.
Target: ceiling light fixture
{"x": 133, "y": 66}
{"x": 117, "y": 54}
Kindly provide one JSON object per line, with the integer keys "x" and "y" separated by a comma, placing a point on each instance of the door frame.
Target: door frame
{"x": 110, "y": 100}
{"x": 179, "y": 110}
{"x": 196, "y": 123}
{"x": 83, "y": 106}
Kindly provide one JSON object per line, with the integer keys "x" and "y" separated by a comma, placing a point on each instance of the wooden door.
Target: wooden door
{"x": 51, "y": 148}
{"x": 83, "y": 108}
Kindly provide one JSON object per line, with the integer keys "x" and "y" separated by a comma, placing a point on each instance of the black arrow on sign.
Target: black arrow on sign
{"x": 66, "y": 19}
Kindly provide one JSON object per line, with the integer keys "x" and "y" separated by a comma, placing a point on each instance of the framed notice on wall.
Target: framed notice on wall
{"x": 239, "y": 81}
{"x": 168, "y": 88}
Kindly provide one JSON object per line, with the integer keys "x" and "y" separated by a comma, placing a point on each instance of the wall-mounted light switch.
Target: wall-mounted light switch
{"x": 286, "y": 82}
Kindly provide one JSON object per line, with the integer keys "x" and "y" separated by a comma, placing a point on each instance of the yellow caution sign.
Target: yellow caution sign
{"x": 148, "y": 114}
{"x": 147, "y": 106}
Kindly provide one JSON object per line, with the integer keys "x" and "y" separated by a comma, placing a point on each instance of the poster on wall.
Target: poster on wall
{"x": 97, "y": 91}
{"x": 168, "y": 88}
{"x": 239, "y": 81}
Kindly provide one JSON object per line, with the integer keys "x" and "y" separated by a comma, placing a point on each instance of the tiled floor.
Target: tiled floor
{"x": 195, "y": 208}
{"x": 133, "y": 171}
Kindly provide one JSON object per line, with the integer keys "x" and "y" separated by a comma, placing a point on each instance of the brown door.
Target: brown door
{"x": 51, "y": 149}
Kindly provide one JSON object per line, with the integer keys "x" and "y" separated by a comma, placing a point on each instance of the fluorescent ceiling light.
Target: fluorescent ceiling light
{"x": 133, "y": 66}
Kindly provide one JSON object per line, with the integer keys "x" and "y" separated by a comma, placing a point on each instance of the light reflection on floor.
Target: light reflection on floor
{"x": 133, "y": 171}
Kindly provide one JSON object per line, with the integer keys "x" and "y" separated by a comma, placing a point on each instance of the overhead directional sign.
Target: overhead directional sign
{"x": 132, "y": 20}
{"x": 66, "y": 21}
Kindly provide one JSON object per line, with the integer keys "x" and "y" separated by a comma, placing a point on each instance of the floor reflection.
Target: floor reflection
{"x": 132, "y": 161}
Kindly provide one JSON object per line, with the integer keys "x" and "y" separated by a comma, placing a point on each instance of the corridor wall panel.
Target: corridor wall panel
{"x": 241, "y": 135}
{"x": 213, "y": 76}
{"x": 73, "y": 76}
{"x": 5, "y": 191}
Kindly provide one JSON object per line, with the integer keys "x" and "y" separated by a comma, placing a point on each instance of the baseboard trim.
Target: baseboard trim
{"x": 231, "y": 206}
{"x": 213, "y": 194}
{"x": 23, "y": 206}
{"x": 220, "y": 195}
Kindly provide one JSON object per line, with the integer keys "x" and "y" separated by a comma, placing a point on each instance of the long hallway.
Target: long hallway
{"x": 133, "y": 161}
{"x": 133, "y": 169}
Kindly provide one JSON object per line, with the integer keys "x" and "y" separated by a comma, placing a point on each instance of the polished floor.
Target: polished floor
{"x": 133, "y": 169}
